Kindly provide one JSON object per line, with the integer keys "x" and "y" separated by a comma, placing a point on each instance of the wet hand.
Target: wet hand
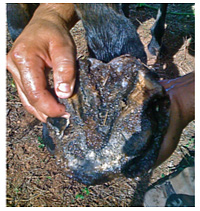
{"x": 181, "y": 93}
{"x": 44, "y": 43}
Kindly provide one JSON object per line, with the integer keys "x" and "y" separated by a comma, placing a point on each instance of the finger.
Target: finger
{"x": 11, "y": 67}
{"x": 64, "y": 67}
{"x": 172, "y": 135}
{"x": 167, "y": 147}
{"x": 34, "y": 85}
{"x": 42, "y": 117}
{"x": 16, "y": 76}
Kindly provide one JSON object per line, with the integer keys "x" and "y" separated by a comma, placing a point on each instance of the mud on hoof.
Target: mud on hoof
{"x": 119, "y": 116}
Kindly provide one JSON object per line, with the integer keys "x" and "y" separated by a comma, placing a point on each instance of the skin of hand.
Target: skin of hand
{"x": 181, "y": 93}
{"x": 45, "y": 43}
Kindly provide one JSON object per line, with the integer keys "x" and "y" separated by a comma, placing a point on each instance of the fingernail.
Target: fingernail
{"x": 64, "y": 87}
{"x": 66, "y": 115}
{"x": 63, "y": 90}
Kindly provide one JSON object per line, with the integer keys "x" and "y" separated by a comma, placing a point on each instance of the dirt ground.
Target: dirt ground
{"x": 34, "y": 179}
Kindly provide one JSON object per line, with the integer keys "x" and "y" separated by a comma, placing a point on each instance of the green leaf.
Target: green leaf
{"x": 41, "y": 146}
{"x": 86, "y": 191}
{"x": 140, "y": 4}
{"x": 192, "y": 139}
{"x": 79, "y": 196}
{"x": 13, "y": 84}
{"x": 40, "y": 140}
{"x": 16, "y": 190}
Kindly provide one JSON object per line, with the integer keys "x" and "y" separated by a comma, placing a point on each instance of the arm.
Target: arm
{"x": 45, "y": 43}
{"x": 181, "y": 92}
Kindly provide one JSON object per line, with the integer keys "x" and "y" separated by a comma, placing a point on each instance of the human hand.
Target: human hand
{"x": 181, "y": 92}
{"x": 45, "y": 43}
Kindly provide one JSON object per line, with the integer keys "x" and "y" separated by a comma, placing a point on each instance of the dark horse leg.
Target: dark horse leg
{"x": 18, "y": 16}
{"x": 157, "y": 31}
{"x": 109, "y": 32}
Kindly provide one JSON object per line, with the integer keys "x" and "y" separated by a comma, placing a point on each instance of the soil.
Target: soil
{"x": 34, "y": 179}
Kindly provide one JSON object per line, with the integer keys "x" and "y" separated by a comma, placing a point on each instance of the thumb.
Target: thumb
{"x": 64, "y": 71}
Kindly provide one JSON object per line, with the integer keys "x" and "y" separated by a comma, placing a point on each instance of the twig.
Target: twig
{"x": 184, "y": 154}
{"x": 104, "y": 83}
{"x": 106, "y": 116}
{"x": 11, "y": 102}
{"x": 138, "y": 21}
